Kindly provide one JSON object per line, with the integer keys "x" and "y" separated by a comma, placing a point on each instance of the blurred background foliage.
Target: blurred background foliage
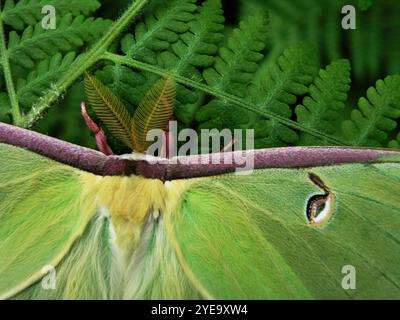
{"x": 373, "y": 49}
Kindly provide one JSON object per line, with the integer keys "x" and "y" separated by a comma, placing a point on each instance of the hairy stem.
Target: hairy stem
{"x": 84, "y": 62}
{"x": 219, "y": 94}
{"x": 15, "y": 110}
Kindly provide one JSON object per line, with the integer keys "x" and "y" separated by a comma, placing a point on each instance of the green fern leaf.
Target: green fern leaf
{"x": 232, "y": 72}
{"x": 374, "y": 39}
{"x": 395, "y": 144}
{"x": 127, "y": 84}
{"x": 376, "y": 117}
{"x": 36, "y": 43}
{"x": 29, "y": 12}
{"x": 41, "y": 78}
{"x": 283, "y": 82}
{"x": 195, "y": 50}
{"x": 322, "y": 108}
{"x": 197, "y": 47}
{"x": 109, "y": 109}
{"x": 154, "y": 112}
{"x": 162, "y": 24}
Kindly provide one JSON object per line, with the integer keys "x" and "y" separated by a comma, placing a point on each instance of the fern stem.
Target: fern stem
{"x": 15, "y": 110}
{"x": 84, "y": 62}
{"x": 219, "y": 94}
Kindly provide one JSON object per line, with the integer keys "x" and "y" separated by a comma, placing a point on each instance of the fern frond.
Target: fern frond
{"x": 395, "y": 144}
{"x": 197, "y": 47}
{"x": 318, "y": 22}
{"x": 233, "y": 71}
{"x": 36, "y": 43}
{"x": 124, "y": 82}
{"x": 198, "y": 33}
{"x": 377, "y": 115}
{"x": 40, "y": 79}
{"x": 29, "y": 12}
{"x": 154, "y": 112}
{"x": 109, "y": 109}
{"x": 286, "y": 79}
{"x": 162, "y": 23}
{"x": 195, "y": 50}
{"x": 321, "y": 109}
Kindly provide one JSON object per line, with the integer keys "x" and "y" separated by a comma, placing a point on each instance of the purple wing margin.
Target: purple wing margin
{"x": 189, "y": 166}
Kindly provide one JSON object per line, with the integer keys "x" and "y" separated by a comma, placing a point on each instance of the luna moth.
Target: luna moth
{"x": 125, "y": 227}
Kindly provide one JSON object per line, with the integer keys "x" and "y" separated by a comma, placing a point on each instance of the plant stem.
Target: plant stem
{"x": 84, "y": 62}
{"x": 219, "y": 94}
{"x": 15, "y": 111}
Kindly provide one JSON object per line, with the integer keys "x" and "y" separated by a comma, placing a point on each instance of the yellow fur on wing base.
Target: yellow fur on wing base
{"x": 130, "y": 200}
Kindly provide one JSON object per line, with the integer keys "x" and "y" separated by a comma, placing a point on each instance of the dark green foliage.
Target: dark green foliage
{"x": 36, "y": 43}
{"x": 65, "y": 121}
{"x": 37, "y": 57}
{"x": 20, "y": 13}
{"x": 286, "y": 79}
{"x": 376, "y": 116}
{"x": 160, "y": 27}
{"x": 395, "y": 144}
{"x": 327, "y": 96}
{"x": 179, "y": 37}
{"x": 319, "y": 22}
{"x": 254, "y": 75}
{"x": 232, "y": 72}
{"x": 41, "y": 77}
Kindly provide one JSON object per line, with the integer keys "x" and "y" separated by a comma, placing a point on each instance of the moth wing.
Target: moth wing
{"x": 42, "y": 213}
{"x": 248, "y": 236}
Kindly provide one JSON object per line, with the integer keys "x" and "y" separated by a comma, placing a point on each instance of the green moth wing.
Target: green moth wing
{"x": 41, "y": 215}
{"x": 248, "y": 236}
{"x": 305, "y": 223}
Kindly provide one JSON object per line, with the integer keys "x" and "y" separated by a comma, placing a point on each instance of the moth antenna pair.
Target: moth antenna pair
{"x": 154, "y": 112}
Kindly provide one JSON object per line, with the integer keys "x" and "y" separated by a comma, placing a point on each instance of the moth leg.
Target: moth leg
{"x": 101, "y": 140}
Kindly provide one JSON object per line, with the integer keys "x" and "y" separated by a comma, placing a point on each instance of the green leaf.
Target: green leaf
{"x": 233, "y": 71}
{"x": 162, "y": 24}
{"x": 395, "y": 144}
{"x": 322, "y": 107}
{"x": 41, "y": 78}
{"x": 29, "y": 12}
{"x": 286, "y": 79}
{"x": 376, "y": 116}
{"x": 368, "y": 47}
{"x": 36, "y": 43}
{"x": 195, "y": 50}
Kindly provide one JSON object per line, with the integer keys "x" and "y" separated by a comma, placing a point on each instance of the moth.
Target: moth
{"x": 124, "y": 227}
